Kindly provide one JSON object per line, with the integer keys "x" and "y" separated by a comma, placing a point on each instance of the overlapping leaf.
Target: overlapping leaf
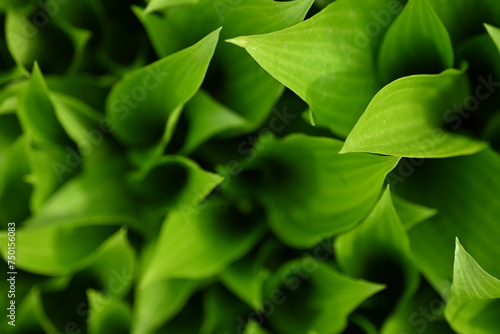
{"x": 334, "y": 75}
{"x": 415, "y": 35}
{"x": 199, "y": 243}
{"x": 474, "y": 298}
{"x": 139, "y": 106}
{"x": 319, "y": 297}
{"x": 309, "y": 190}
{"x": 405, "y": 118}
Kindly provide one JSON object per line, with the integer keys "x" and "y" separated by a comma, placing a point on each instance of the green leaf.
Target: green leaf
{"x": 465, "y": 18}
{"x": 155, "y": 5}
{"x": 56, "y": 250}
{"x": 475, "y": 296}
{"x": 247, "y": 88}
{"x": 114, "y": 265}
{"x": 382, "y": 232}
{"x": 207, "y": 118}
{"x": 45, "y": 177}
{"x": 80, "y": 121}
{"x": 494, "y": 33}
{"x": 171, "y": 182}
{"x": 138, "y": 106}
{"x": 319, "y": 298}
{"x": 424, "y": 311}
{"x": 475, "y": 185}
{"x": 309, "y": 190}
{"x": 107, "y": 314}
{"x": 411, "y": 213}
{"x": 404, "y": 119}
{"x": 245, "y": 278}
{"x": 334, "y": 75}
{"x": 202, "y": 245}
{"x": 378, "y": 250}
{"x": 254, "y": 328}
{"x": 55, "y": 45}
{"x": 195, "y": 21}
{"x": 37, "y": 115}
{"x": 10, "y": 130}
{"x": 223, "y": 311}
{"x": 417, "y": 42}
{"x": 15, "y": 192}
{"x": 150, "y": 309}
{"x": 80, "y": 202}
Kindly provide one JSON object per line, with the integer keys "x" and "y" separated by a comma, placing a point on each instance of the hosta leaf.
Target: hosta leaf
{"x": 318, "y": 297}
{"x": 80, "y": 202}
{"x": 475, "y": 185}
{"x": 424, "y": 311}
{"x": 114, "y": 265}
{"x": 151, "y": 311}
{"x": 404, "y": 119}
{"x": 494, "y": 33}
{"x": 247, "y": 88}
{"x": 195, "y": 21}
{"x": 254, "y": 328}
{"x": 417, "y": 42}
{"x": 382, "y": 231}
{"x": 466, "y": 17}
{"x": 245, "y": 278}
{"x": 10, "y": 96}
{"x": 80, "y": 121}
{"x": 334, "y": 75}
{"x": 108, "y": 314}
{"x": 45, "y": 175}
{"x": 198, "y": 243}
{"x": 37, "y": 115}
{"x": 139, "y": 105}
{"x": 363, "y": 323}
{"x": 309, "y": 190}
{"x": 29, "y": 315}
{"x": 475, "y": 296}
{"x": 252, "y": 91}
{"x": 154, "y": 5}
{"x": 55, "y": 46}
{"x": 378, "y": 250}
{"x": 10, "y": 130}
{"x": 189, "y": 320}
{"x": 56, "y": 250}
{"x": 172, "y": 181}
{"x": 15, "y": 192}
{"x": 411, "y": 213}
{"x": 206, "y": 118}
{"x": 223, "y": 311}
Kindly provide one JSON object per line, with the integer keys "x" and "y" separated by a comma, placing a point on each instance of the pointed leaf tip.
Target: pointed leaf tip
{"x": 239, "y": 41}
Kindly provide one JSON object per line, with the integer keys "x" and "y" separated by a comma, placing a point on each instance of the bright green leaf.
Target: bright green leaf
{"x": 140, "y": 104}
{"x": 37, "y": 115}
{"x": 56, "y": 250}
{"x": 475, "y": 296}
{"x": 206, "y": 118}
{"x": 199, "y": 243}
{"x": 310, "y": 191}
{"x": 494, "y": 33}
{"x": 334, "y": 75}
{"x": 151, "y": 311}
{"x": 417, "y": 42}
{"x": 405, "y": 117}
